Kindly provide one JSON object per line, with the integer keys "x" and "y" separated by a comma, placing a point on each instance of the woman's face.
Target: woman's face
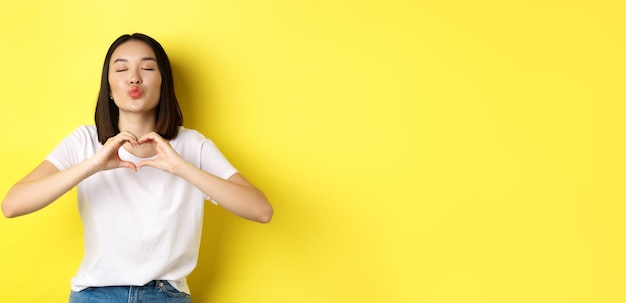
{"x": 134, "y": 78}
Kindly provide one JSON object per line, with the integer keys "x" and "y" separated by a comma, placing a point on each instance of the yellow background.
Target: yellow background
{"x": 414, "y": 151}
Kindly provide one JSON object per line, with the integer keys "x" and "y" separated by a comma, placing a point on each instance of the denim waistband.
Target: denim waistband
{"x": 153, "y": 284}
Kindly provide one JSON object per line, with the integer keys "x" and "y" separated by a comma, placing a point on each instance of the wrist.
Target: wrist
{"x": 90, "y": 166}
{"x": 180, "y": 168}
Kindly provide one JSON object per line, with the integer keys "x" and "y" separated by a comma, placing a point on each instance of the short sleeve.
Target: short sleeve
{"x": 214, "y": 162}
{"x": 67, "y": 153}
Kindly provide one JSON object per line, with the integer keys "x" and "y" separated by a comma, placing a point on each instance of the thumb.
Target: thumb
{"x": 145, "y": 163}
{"x": 127, "y": 164}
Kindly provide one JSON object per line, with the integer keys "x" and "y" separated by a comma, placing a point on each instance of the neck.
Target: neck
{"x": 138, "y": 124}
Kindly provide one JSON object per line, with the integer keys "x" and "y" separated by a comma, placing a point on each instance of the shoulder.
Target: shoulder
{"x": 89, "y": 130}
{"x": 190, "y": 144}
{"x": 187, "y": 136}
{"x": 78, "y": 145}
{"x": 192, "y": 140}
{"x": 85, "y": 133}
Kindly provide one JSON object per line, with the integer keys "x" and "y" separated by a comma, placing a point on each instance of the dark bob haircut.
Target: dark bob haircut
{"x": 168, "y": 114}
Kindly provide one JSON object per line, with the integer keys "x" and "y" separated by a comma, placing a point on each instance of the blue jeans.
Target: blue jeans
{"x": 153, "y": 292}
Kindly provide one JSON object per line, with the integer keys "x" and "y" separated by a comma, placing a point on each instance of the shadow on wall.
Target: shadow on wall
{"x": 202, "y": 280}
{"x": 296, "y": 220}
{"x": 195, "y": 92}
{"x": 196, "y": 108}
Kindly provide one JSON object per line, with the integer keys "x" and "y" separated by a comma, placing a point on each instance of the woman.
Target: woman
{"x": 142, "y": 181}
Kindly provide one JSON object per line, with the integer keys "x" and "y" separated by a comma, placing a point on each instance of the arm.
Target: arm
{"x": 46, "y": 183}
{"x": 236, "y": 194}
{"x": 41, "y": 187}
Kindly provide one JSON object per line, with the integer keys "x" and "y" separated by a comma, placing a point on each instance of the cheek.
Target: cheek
{"x": 157, "y": 84}
{"x": 158, "y": 80}
{"x": 114, "y": 83}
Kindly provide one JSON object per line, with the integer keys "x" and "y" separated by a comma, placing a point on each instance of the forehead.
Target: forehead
{"x": 133, "y": 50}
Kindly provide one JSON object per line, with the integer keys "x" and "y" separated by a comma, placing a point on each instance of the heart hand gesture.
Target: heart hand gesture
{"x": 167, "y": 159}
{"x": 108, "y": 158}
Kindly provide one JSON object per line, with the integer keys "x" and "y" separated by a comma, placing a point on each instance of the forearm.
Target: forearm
{"x": 235, "y": 195}
{"x": 36, "y": 192}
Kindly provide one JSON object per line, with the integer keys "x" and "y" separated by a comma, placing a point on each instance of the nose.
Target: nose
{"x": 134, "y": 79}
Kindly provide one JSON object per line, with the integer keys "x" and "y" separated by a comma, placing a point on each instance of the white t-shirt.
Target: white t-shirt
{"x": 141, "y": 226}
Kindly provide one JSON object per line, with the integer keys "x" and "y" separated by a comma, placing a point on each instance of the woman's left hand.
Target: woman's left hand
{"x": 235, "y": 194}
{"x": 167, "y": 159}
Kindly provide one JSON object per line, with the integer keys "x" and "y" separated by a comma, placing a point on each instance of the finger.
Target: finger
{"x": 129, "y": 137}
{"x": 143, "y": 163}
{"x": 156, "y": 164}
{"x": 151, "y": 136}
{"x": 122, "y": 138}
{"x": 128, "y": 165}
{"x": 127, "y": 133}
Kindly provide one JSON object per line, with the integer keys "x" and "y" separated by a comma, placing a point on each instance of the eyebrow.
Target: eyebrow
{"x": 142, "y": 59}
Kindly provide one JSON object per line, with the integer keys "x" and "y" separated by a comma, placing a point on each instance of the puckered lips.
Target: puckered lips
{"x": 135, "y": 92}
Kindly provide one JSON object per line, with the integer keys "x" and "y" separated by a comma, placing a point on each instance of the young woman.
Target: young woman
{"x": 142, "y": 181}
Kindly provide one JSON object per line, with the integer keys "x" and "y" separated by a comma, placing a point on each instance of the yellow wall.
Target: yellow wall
{"x": 415, "y": 151}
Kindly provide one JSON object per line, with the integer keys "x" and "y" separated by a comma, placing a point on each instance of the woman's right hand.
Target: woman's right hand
{"x": 46, "y": 182}
{"x": 108, "y": 158}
